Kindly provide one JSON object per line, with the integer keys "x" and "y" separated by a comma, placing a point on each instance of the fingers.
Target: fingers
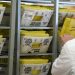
{"x": 66, "y": 38}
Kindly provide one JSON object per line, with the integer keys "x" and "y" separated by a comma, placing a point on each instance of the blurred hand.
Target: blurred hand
{"x": 65, "y": 38}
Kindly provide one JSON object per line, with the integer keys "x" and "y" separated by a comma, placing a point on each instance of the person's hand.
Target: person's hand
{"x": 65, "y": 38}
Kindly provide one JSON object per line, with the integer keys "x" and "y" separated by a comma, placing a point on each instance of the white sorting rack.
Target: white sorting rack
{"x": 18, "y": 28}
{"x": 11, "y": 29}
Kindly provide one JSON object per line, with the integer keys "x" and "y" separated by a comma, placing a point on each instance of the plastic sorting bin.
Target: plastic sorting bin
{"x": 35, "y": 41}
{"x": 2, "y": 40}
{"x": 65, "y": 11}
{"x": 2, "y": 9}
{"x": 3, "y": 60}
{"x": 6, "y": 17}
{"x": 34, "y": 66}
{"x": 3, "y": 66}
{"x": 5, "y": 34}
{"x": 68, "y": 27}
{"x": 35, "y": 15}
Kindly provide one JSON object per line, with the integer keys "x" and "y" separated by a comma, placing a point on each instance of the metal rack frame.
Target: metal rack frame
{"x": 11, "y": 29}
{"x": 18, "y": 35}
{"x": 15, "y": 29}
{"x": 12, "y": 36}
{"x": 55, "y": 28}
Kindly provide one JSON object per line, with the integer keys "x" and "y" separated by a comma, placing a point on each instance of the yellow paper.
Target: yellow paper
{"x": 68, "y": 27}
{"x": 1, "y": 5}
{"x": 65, "y": 26}
{"x": 1, "y": 36}
{"x": 34, "y": 33}
{"x": 33, "y": 61}
{"x": 35, "y": 72}
{"x": 36, "y": 7}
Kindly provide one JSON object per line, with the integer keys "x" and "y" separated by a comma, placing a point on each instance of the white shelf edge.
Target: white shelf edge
{"x": 36, "y": 54}
{"x": 3, "y": 56}
{"x": 31, "y": 3}
{"x": 36, "y": 27}
{"x": 67, "y": 3}
{"x": 47, "y": 3}
{"x": 4, "y": 27}
{"x": 42, "y": 4}
{"x": 37, "y": 1}
{"x": 5, "y": 1}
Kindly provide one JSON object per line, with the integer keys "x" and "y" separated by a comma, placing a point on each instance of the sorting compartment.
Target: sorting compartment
{"x": 2, "y": 41}
{"x": 3, "y": 66}
{"x": 65, "y": 11}
{"x": 35, "y": 16}
{"x": 5, "y": 21}
{"x": 34, "y": 66}
{"x": 2, "y": 9}
{"x": 35, "y": 41}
